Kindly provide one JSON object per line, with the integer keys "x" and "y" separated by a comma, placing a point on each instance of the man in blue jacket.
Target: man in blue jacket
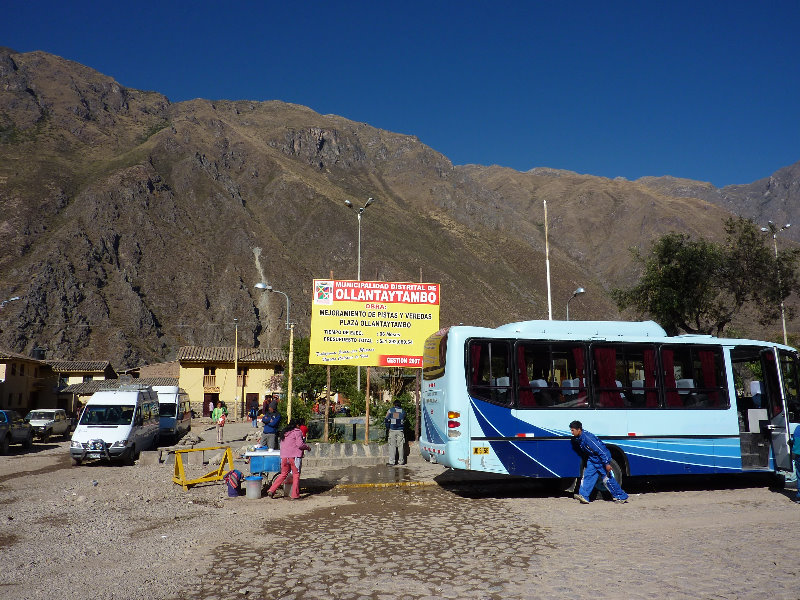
{"x": 395, "y": 424}
{"x": 598, "y": 464}
{"x": 271, "y": 421}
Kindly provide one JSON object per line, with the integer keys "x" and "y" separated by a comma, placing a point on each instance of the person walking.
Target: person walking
{"x": 271, "y": 421}
{"x": 253, "y": 414}
{"x": 395, "y": 423}
{"x": 598, "y": 464}
{"x": 218, "y": 417}
{"x": 292, "y": 449}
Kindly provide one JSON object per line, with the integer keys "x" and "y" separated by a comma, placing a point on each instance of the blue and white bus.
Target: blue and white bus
{"x": 500, "y": 400}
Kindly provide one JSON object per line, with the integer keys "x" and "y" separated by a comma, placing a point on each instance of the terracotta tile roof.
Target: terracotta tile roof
{"x": 78, "y": 366}
{"x": 90, "y": 387}
{"x": 225, "y": 354}
{"x": 7, "y": 355}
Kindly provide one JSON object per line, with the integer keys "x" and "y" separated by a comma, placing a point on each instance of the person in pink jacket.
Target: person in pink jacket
{"x": 292, "y": 447}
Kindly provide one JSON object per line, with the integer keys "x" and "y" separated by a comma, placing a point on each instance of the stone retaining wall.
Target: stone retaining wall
{"x": 322, "y": 455}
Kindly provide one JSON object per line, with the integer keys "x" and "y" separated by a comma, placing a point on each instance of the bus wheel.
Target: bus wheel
{"x": 569, "y": 484}
{"x": 617, "y": 471}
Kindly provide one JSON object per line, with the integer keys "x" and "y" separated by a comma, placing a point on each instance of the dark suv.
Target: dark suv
{"x": 14, "y": 430}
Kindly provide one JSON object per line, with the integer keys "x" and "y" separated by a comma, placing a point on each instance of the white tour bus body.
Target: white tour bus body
{"x": 116, "y": 424}
{"x": 501, "y": 400}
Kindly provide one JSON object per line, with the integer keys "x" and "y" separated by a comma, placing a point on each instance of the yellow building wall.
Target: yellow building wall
{"x": 23, "y": 392}
{"x": 256, "y": 381}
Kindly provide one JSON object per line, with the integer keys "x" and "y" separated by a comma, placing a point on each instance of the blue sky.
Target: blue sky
{"x": 703, "y": 90}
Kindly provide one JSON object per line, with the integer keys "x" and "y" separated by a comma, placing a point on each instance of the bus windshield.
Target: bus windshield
{"x": 98, "y": 414}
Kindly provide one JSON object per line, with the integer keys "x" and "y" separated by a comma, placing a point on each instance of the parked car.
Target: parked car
{"x": 47, "y": 422}
{"x": 14, "y": 430}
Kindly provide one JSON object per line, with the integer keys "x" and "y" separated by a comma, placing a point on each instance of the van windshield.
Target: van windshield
{"x": 167, "y": 410}
{"x": 98, "y": 414}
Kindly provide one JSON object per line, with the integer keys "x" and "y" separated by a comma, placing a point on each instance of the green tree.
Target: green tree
{"x": 699, "y": 286}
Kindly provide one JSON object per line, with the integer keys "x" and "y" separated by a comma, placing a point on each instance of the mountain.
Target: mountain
{"x": 775, "y": 198}
{"x": 132, "y": 225}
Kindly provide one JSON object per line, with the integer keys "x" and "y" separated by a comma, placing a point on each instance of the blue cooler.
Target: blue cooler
{"x": 264, "y": 461}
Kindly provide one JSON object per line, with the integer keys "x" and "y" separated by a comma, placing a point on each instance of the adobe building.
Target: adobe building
{"x": 26, "y": 383}
{"x": 207, "y": 375}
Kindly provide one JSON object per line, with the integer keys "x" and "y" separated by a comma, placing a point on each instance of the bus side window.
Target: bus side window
{"x": 694, "y": 377}
{"x": 489, "y": 371}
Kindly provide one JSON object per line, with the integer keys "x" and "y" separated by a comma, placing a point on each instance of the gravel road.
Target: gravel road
{"x": 116, "y": 532}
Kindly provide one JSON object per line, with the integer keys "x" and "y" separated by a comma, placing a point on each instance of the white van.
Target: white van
{"x": 175, "y": 411}
{"x": 116, "y": 425}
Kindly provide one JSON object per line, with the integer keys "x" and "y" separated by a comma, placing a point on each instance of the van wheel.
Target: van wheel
{"x": 132, "y": 456}
{"x": 46, "y": 437}
{"x": 66, "y": 435}
{"x": 4, "y": 445}
{"x": 28, "y": 443}
{"x": 76, "y": 462}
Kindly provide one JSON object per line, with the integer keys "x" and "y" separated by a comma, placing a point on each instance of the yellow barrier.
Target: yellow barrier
{"x": 217, "y": 474}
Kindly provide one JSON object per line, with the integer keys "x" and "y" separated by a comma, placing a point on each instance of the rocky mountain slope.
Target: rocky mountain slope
{"x": 131, "y": 225}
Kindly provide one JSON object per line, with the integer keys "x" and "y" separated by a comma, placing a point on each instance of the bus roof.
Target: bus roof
{"x": 584, "y": 329}
{"x": 629, "y": 331}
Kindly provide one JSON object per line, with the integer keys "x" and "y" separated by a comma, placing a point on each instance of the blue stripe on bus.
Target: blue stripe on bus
{"x": 432, "y": 434}
{"x": 527, "y": 456}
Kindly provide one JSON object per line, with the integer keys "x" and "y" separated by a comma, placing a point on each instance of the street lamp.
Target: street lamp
{"x": 580, "y": 290}
{"x": 359, "y": 212}
{"x": 4, "y": 302}
{"x": 773, "y": 229}
{"x": 290, "y": 327}
{"x": 236, "y": 369}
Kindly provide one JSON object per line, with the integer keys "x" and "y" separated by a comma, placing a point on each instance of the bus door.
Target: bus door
{"x": 776, "y": 426}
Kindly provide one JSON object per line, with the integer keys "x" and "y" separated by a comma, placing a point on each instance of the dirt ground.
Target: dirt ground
{"x": 100, "y": 531}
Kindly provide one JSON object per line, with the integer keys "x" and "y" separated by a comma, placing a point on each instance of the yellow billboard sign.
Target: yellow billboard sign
{"x": 372, "y": 323}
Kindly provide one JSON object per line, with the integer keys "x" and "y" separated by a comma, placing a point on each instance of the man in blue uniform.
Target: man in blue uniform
{"x": 598, "y": 464}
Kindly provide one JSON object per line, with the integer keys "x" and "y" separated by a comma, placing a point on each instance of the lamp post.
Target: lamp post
{"x": 290, "y": 327}
{"x": 547, "y": 264}
{"x": 236, "y": 367}
{"x": 359, "y": 212}
{"x": 577, "y": 292}
{"x": 773, "y": 229}
{"x": 4, "y": 302}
